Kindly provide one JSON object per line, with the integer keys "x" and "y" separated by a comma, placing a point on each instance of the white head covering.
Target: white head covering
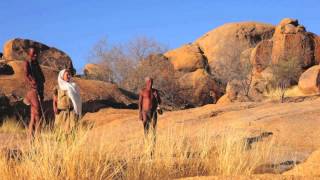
{"x": 72, "y": 91}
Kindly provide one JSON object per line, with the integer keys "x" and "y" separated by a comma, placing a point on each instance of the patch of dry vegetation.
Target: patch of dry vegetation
{"x": 79, "y": 156}
{"x": 11, "y": 125}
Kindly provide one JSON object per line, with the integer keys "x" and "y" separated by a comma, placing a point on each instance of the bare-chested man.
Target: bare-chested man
{"x": 149, "y": 100}
{"x": 35, "y": 80}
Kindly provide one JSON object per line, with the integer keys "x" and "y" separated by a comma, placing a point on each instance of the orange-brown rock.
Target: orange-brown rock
{"x": 187, "y": 58}
{"x": 317, "y": 49}
{"x": 261, "y": 55}
{"x": 292, "y": 41}
{"x": 309, "y": 168}
{"x": 235, "y": 92}
{"x": 199, "y": 88}
{"x": 310, "y": 80}
{"x": 16, "y": 49}
{"x": 227, "y": 42}
{"x": 97, "y": 72}
{"x": 245, "y": 56}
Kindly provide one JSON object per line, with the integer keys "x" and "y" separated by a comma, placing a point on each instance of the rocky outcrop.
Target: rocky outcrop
{"x": 235, "y": 92}
{"x": 227, "y": 42}
{"x": 292, "y": 41}
{"x": 261, "y": 55}
{"x": 245, "y": 56}
{"x": 187, "y": 58}
{"x": 197, "y": 60}
{"x": 317, "y": 49}
{"x": 54, "y": 58}
{"x": 309, "y": 82}
{"x": 198, "y": 88}
{"x": 309, "y": 168}
{"x": 97, "y": 72}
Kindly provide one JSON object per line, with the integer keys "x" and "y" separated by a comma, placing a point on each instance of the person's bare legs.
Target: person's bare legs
{"x": 149, "y": 125}
{"x": 34, "y": 124}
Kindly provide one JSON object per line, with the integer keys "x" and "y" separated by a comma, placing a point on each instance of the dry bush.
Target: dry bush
{"x": 11, "y": 125}
{"x": 232, "y": 68}
{"x": 121, "y": 60}
{"x": 129, "y": 64}
{"x": 285, "y": 74}
{"x": 164, "y": 75}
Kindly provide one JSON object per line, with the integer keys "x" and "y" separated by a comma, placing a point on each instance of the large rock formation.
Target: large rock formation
{"x": 197, "y": 85}
{"x": 310, "y": 80}
{"x": 97, "y": 72}
{"x": 238, "y": 43}
{"x": 317, "y": 49}
{"x": 227, "y": 42}
{"x": 292, "y": 41}
{"x": 198, "y": 88}
{"x": 17, "y": 49}
{"x": 261, "y": 55}
{"x": 187, "y": 58}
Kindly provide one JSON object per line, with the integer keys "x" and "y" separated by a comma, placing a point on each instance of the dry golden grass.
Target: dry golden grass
{"x": 78, "y": 156}
{"x": 275, "y": 94}
{"x": 11, "y": 125}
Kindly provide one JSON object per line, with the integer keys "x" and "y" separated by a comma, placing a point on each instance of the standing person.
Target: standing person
{"x": 149, "y": 101}
{"x": 35, "y": 81}
{"x": 67, "y": 103}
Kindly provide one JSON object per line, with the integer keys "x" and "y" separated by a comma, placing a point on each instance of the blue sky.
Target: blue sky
{"x": 75, "y": 26}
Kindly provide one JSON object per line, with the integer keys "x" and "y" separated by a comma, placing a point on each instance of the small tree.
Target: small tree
{"x": 232, "y": 68}
{"x": 245, "y": 76}
{"x": 285, "y": 73}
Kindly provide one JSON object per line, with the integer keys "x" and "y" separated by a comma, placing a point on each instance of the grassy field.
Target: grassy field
{"x": 79, "y": 156}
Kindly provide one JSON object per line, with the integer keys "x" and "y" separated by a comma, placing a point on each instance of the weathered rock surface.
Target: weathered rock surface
{"x": 97, "y": 72}
{"x": 236, "y": 91}
{"x": 261, "y": 55}
{"x": 196, "y": 85}
{"x": 317, "y": 49}
{"x": 187, "y": 58}
{"x": 292, "y": 41}
{"x": 309, "y": 82}
{"x": 294, "y": 126}
{"x": 199, "y": 88}
{"x": 54, "y": 58}
{"x": 226, "y": 42}
{"x": 309, "y": 168}
{"x": 230, "y": 42}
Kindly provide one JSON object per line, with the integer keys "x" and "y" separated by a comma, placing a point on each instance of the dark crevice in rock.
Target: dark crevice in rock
{"x": 206, "y": 63}
{"x": 276, "y": 168}
{"x": 251, "y": 140}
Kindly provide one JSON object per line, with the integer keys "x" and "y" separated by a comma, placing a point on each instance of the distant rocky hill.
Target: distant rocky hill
{"x": 260, "y": 44}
